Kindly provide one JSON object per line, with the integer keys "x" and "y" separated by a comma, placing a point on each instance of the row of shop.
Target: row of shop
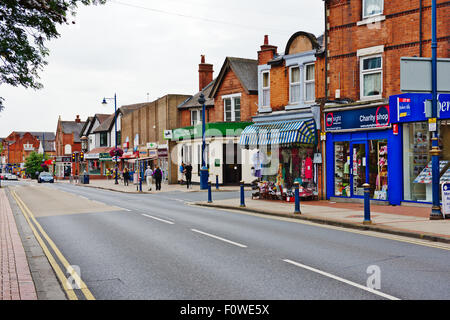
{"x": 384, "y": 145}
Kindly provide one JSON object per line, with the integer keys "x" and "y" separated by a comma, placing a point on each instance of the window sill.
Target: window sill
{"x": 264, "y": 109}
{"x": 371, "y": 20}
{"x": 300, "y": 105}
{"x": 371, "y": 98}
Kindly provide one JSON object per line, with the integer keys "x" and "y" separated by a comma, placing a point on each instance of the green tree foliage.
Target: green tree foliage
{"x": 34, "y": 163}
{"x": 25, "y": 26}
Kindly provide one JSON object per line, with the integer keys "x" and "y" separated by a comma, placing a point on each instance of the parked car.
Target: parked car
{"x": 46, "y": 177}
{"x": 12, "y": 177}
{"x": 5, "y": 176}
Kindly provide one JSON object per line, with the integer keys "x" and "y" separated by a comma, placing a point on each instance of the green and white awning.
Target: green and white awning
{"x": 279, "y": 133}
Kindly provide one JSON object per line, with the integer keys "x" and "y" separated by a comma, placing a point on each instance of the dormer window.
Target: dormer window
{"x": 372, "y": 8}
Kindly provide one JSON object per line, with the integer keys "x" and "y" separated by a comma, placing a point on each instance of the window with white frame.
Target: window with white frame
{"x": 371, "y": 69}
{"x": 265, "y": 89}
{"x": 310, "y": 94}
{"x": 196, "y": 117}
{"x": 232, "y": 109}
{"x": 372, "y": 8}
{"x": 186, "y": 154}
{"x": 294, "y": 84}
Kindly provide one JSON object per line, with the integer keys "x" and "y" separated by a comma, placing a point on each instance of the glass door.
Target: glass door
{"x": 359, "y": 169}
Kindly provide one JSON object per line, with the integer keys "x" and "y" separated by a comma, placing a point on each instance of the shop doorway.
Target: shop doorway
{"x": 232, "y": 166}
{"x": 359, "y": 168}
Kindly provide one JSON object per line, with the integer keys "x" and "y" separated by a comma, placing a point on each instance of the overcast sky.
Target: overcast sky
{"x": 135, "y": 47}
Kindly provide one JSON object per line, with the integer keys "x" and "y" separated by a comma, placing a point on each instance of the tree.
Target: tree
{"x": 25, "y": 26}
{"x": 35, "y": 163}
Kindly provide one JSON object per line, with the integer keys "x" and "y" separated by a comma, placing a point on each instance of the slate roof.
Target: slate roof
{"x": 246, "y": 70}
{"x": 74, "y": 127}
{"x": 106, "y": 124}
{"x": 192, "y": 102}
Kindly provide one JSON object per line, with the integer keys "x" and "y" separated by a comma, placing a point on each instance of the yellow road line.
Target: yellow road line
{"x": 87, "y": 293}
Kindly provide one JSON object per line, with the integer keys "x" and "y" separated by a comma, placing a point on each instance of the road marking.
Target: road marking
{"x": 329, "y": 275}
{"x": 369, "y": 233}
{"x": 159, "y": 219}
{"x": 84, "y": 289}
{"x": 219, "y": 238}
{"x": 124, "y": 209}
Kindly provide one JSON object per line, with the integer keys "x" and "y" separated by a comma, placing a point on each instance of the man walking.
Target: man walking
{"x": 149, "y": 177}
{"x": 188, "y": 174}
{"x": 157, "y": 174}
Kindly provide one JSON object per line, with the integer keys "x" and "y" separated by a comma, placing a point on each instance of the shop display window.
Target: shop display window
{"x": 342, "y": 169}
{"x": 417, "y": 166}
{"x": 378, "y": 169}
{"x": 94, "y": 167}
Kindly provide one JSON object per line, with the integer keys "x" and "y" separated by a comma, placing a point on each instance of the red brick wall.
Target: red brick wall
{"x": 279, "y": 87}
{"x": 231, "y": 85}
{"x": 16, "y": 153}
{"x": 399, "y": 34}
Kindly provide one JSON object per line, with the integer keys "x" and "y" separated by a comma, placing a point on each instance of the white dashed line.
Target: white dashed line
{"x": 159, "y": 219}
{"x": 329, "y": 275}
{"x": 219, "y": 238}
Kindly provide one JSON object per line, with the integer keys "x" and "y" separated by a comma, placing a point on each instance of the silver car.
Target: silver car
{"x": 45, "y": 177}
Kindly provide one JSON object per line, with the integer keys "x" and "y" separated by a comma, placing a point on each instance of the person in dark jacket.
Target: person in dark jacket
{"x": 188, "y": 174}
{"x": 157, "y": 176}
{"x": 126, "y": 176}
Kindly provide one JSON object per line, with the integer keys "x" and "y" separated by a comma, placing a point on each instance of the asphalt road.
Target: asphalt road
{"x": 161, "y": 247}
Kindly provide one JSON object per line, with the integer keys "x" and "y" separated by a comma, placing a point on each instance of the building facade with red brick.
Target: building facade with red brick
{"x": 230, "y": 102}
{"x": 359, "y": 70}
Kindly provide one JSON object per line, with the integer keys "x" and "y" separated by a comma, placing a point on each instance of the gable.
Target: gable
{"x": 301, "y": 42}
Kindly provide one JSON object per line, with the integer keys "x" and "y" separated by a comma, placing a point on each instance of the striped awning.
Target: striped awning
{"x": 279, "y": 133}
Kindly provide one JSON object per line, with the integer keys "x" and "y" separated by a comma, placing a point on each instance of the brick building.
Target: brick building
{"x": 67, "y": 142}
{"x": 359, "y": 71}
{"x": 230, "y": 102}
{"x": 282, "y": 141}
{"x": 142, "y": 130}
{"x": 19, "y": 145}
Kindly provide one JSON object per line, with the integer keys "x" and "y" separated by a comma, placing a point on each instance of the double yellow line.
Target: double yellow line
{"x": 67, "y": 286}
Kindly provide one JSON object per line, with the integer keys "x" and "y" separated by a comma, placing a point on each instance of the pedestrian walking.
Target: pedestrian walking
{"x": 126, "y": 176}
{"x": 188, "y": 174}
{"x": 149, "y": 177}
{"x": 181, "y": 172}
{"x": 157, "y": 175}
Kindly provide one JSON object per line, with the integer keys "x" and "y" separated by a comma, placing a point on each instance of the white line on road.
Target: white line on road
{"x": 219, "y": 238}
{"x": 384, "y": 295}
{"x": 159, "y": 219}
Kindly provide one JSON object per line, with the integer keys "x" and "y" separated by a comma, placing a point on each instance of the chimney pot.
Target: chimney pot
{"x": 266, "y": 40}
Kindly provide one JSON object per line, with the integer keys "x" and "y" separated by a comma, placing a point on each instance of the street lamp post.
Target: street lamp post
{"x": 435, "y": 152}
{"x": 204, "y": 174}
{"x": 115, "y": 131}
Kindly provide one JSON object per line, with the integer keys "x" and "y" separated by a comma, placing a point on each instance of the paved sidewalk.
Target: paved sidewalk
{"x": 400, "y": 220}
{"x": 132, "y": 188}
{"x": 15, "y": 277}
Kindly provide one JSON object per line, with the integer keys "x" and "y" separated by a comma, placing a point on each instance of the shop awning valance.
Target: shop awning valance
{"x": 279, "y": 133}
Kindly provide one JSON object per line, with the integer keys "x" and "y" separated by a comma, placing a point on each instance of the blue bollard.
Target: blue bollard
{"x": 217, "y": 182}
{"x": 297, "y": 198}
{"x": 367, "y": 220}
{"x": 209, "y": 192}
{"x": 242, "y": 195}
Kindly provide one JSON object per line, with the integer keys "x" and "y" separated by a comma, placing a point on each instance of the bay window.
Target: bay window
{"x": 265, "y": 89}
{"x": 294, "y": 85}
{"x": 309, "y": 83}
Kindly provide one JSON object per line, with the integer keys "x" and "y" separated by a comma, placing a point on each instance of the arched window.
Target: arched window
{"x": 67, "y": 149}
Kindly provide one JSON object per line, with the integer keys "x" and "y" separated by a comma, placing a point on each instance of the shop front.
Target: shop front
{"x": 410, "y": 115}
{"x": 63, "y": 167}
{"x": 283, "y": 152}
{"x": 362, "y": 147}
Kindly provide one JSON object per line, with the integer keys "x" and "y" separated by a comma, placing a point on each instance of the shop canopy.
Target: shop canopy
{"x": 279, "y": 133}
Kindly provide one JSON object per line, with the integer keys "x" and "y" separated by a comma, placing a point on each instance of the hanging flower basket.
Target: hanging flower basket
{"x": 116, "y": 152}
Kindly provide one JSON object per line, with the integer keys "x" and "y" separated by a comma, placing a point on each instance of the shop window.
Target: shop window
{"x": 342, "y": 169}
{"x": 310, "y": 83}
{"x": 371, "y": 77}
{"x": 372, "y": 8}
{"x": 417, "y": 166}
{"x": 378, "y": 169}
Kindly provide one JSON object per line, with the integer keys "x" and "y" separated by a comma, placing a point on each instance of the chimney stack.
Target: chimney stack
{"x": 205, "y": 73}
{"x": 267, "y": 52}
{"x": 78, "y": 120}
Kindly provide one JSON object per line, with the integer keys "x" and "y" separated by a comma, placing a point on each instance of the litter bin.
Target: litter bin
{"x": 84, "y": 179}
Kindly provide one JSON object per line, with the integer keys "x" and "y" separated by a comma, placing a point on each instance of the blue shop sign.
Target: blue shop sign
{"x": 410, "y": 107}
{"x": 367, "y": 118}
